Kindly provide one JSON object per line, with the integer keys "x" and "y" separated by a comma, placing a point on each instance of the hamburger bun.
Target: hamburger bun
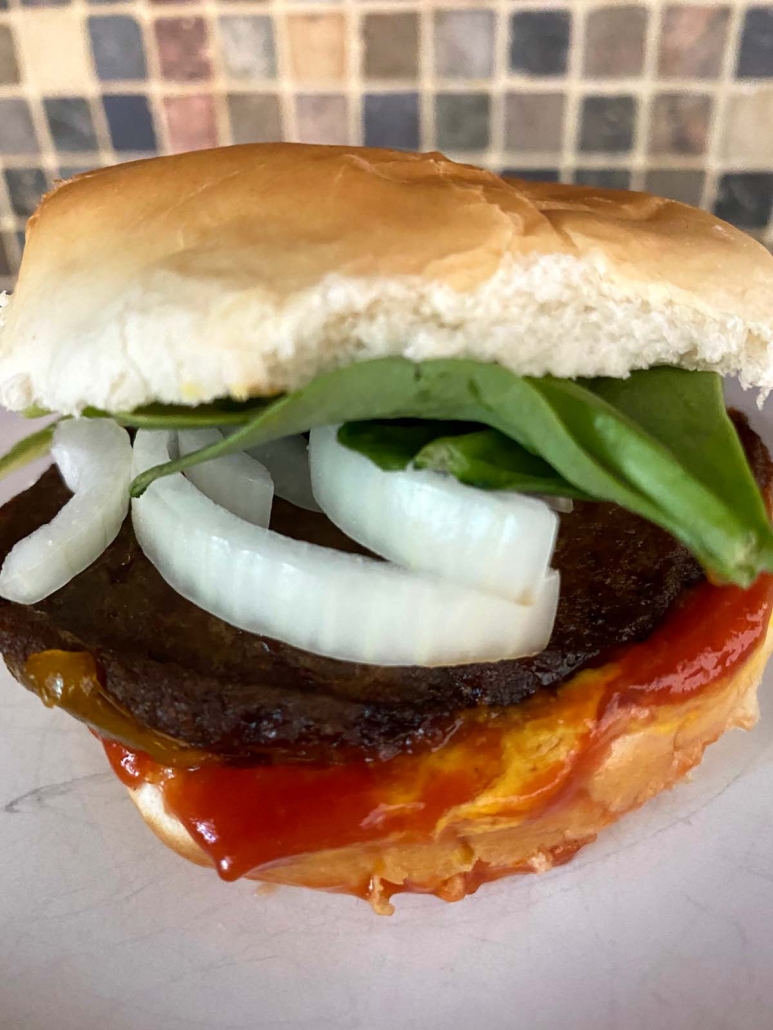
{"x": 640, "y": 752}
{"x": 249, "y": 270}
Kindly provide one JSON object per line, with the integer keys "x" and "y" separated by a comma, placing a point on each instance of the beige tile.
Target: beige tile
{"x": 317, "y": 47}
{"x": 614, "y": 42}
{"x": 322, "y": 118}
{"x": 748, "y": 133}
{"x": 692, "y": 40}
{"x": 54, "y": 51}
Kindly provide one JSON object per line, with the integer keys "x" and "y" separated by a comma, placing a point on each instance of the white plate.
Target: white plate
{"x": 665, "y": 924}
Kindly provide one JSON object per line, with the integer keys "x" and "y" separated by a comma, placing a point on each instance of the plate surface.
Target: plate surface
{"x": 666, "y": 922}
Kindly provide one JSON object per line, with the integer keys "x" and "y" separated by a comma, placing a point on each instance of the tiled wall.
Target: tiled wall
{"x": 673, "y": 97}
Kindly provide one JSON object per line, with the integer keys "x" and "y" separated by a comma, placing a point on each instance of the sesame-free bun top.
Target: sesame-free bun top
{"x": 248, "y": 270}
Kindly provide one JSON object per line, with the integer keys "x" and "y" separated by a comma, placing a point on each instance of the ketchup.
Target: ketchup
{"x": 245, "y": 817}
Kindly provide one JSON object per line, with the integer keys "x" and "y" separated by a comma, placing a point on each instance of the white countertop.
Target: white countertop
{"x": 666, "y": 923}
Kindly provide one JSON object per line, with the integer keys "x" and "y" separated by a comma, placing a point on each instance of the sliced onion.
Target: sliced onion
{"x": 95, "y": 459}
{"x": 325, "y": 601}
{"x": 238, "y": 482}
{"x": 288, "y": 462}
{"x": 565, "y": 505}
{"x": 496, "y": 541}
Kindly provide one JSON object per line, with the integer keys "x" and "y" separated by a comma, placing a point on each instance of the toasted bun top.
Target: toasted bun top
{"x": 249, "y": 270}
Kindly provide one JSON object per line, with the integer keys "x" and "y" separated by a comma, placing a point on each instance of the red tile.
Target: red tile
{"x": 183, "y": 48}
{"x": 191, "y": 122}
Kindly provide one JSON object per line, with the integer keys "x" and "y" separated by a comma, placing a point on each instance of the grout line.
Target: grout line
{"x": 590, "y": 159}
{"x": 93, "y": 95}
{"x": 217, "y": 86}
{"x": 537, "y": 84}
{"x": 155, "y": 83}
{"x": 572, "y": 107}
{"x": 724, "y": 85}
{"x": 500, "y": 67}
{"x": 426, "y": 84}
{"x": 46, "y": 156}
{"x": 354, "y": 78}
{"x": 284, "y": 79}
{"x": 644, "y": 100}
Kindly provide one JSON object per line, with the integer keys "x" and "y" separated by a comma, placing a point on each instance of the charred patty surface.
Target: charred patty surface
{"x": 185, "y": 673}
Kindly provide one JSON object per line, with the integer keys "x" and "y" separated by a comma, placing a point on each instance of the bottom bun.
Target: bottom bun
{"x": 640, "y": 751}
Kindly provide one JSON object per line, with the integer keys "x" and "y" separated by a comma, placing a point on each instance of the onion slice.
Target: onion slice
{"x": 237, "y": 482}
{"x": 324, "y": 601}
{"x": 95, "y": 459}
{"x": 496, "y": 541}
{"x": 287, "y": 459}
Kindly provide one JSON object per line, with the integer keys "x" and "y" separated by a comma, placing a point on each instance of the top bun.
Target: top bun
{"x": 249, "y": 270}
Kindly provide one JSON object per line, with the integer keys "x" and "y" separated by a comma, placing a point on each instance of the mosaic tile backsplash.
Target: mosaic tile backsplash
{"x": 671, "y": 97}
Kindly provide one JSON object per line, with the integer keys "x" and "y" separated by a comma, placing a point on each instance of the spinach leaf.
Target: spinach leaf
{"x": 22, "y": 453}
{"x": 645, "y": 443}
{"x": 178, "y": 416}
{"x": 473, "y": 454}
{"x": 394, "y": 445}
{"x": 674, "y": 404}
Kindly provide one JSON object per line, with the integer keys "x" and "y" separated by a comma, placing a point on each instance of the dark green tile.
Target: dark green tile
{"x": 70, "y": 123}
{"x": 676, "y": 184}
{"x": 255, "y": 117}
{"x": 745, "y": 199}
{"x": 463, "y": 120}
{"x": 539, "y": 41}
{"x": 604, "y": 178}
{"x": 390, "y": 45}
{"x": 17, "y": 134}
{"x": 607, "y": 123}
{"x": 9, "y": 65}
{"x": 25, "y": 188}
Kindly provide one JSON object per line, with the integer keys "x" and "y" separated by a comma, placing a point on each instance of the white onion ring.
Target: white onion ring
{"x": 237, "y": 482}
{"x": 564, "y": 505}
{"x": 496, "y": 541}
{"x": 324, "y": 601}
{"x": 287, "y": 459}
{"x": 95, "y": 459}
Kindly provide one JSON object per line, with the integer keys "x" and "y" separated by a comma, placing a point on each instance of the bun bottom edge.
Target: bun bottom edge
{"x": 645, "y": 751}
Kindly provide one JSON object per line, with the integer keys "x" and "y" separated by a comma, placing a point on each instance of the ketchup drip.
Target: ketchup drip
{"x": 245, "y": 817}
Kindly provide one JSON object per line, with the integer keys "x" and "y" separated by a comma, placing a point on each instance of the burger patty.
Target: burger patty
{"x": 189, "y": 675}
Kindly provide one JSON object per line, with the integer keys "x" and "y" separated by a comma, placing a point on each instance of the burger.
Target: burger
{"x": 397, "y": 537}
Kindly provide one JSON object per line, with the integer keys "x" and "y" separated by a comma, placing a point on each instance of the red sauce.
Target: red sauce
{"x": 246, "y": 817}
{"x": 713, "y": 631}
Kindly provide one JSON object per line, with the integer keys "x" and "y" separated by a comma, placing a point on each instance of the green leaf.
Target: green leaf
{"x": 473, "y": 454}
{"x": 493, "y": 461}
{"x": 685, "y": 411}
{"x": 600, "y": 436}
{"x": 22, "y": 453}
{"x": 394, "y": 445}
{"x": 35, "y": 411}
{"x": 179, "y": 416}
